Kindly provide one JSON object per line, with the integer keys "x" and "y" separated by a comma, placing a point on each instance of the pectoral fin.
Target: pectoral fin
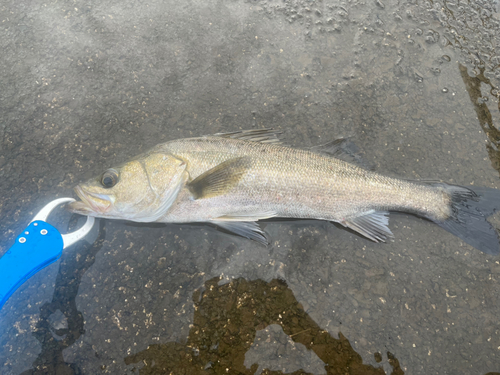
{"x": 247, "y": 229}
{"x": 220, "y": 179}
{"x": 373, "y": 225}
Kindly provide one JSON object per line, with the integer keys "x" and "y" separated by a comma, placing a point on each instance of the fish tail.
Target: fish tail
{"x": 470, "y": 209}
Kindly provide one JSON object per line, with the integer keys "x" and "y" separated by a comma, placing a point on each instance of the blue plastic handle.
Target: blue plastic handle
{"x": 38, "y": 246}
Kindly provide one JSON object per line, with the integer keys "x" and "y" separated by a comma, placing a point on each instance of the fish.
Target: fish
{"x": 234, "y": 180}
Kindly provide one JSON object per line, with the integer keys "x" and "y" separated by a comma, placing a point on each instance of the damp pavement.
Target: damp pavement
{"x": 87, "y": 85}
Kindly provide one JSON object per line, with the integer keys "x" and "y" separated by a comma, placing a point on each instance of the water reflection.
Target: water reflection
{"x": 473, "y": 87}
{"x": 226, "y": 321}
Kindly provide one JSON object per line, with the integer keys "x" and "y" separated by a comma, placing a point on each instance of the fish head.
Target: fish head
{"x": 141, "y": 190}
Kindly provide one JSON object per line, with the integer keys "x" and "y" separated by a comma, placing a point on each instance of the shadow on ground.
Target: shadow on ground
{"x": 61, "y": 323}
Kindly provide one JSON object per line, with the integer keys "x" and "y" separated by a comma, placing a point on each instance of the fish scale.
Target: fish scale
{"x": 297, "y": 183}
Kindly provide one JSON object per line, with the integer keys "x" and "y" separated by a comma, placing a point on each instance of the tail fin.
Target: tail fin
{"x": 470, "y": 208}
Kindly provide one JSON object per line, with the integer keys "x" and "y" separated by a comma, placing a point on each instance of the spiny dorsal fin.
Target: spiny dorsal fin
{"x": 372, "y": 224}
{"x": 343, "y": 149}
{"x": 247, "y": 229}
{"x": 267, "y": 135}
{"x": 220, "y": 179}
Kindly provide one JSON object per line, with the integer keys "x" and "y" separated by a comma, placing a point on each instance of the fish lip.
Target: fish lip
{"x": 81, "y": 208}
{"x": 83, "y": 196}
{"x": 88, "y": 206}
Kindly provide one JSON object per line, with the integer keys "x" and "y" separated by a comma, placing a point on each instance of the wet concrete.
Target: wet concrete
{"x": 87, "y": 85}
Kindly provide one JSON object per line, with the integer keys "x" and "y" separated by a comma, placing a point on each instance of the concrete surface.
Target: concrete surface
{"x": 85, "y": 85}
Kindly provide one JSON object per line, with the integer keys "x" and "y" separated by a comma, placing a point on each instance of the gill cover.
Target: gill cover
{"x": 140, "y": 190}
{"x": 166, "y": 176}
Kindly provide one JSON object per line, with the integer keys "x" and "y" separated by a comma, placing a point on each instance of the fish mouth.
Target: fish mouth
{"x": 91, "y": 204}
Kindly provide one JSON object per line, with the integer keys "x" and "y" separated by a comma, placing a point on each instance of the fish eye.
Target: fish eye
{"x": 109, "y": 178}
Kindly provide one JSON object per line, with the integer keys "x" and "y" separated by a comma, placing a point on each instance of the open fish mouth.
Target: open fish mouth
{"x": 91, "y": 204}
{"x": 81, "y": 208}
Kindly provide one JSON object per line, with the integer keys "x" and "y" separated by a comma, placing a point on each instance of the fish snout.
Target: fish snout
{"x": 91, "y": 204}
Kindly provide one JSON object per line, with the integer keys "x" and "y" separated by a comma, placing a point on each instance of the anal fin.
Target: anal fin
{"x": 372, "y": 224}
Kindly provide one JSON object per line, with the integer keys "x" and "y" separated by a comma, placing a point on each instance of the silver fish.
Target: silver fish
{"x": 235, "y": 179}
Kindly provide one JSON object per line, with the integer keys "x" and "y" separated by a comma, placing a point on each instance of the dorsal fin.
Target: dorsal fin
{"x": 267, "y": 135}
{"x": 343, "y": 149}
{"x": 219, "y": 179}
